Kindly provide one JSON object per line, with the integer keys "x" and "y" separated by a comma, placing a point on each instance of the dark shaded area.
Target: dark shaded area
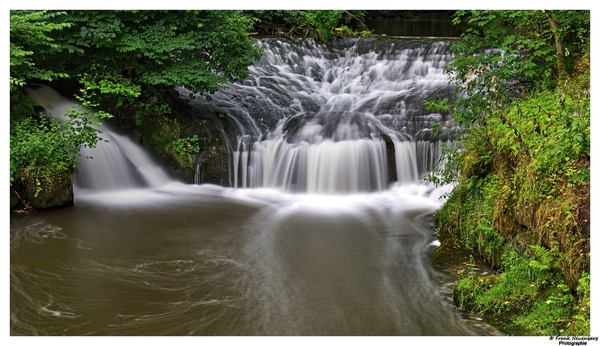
{"x": 410, "y": 14}
{"x": 413, "y": 27}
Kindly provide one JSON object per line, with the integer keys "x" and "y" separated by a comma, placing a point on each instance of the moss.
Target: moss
{"x": 522, "y": 203}
{"x": 46, "y": 191}
{"x": 524, "y": 301}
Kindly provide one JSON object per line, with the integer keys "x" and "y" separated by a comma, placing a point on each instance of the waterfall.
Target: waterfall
{"x": 116, "y": 162}
{"x": 312, "y": 118}
{"x": 339, "y": 119}
{"x": 327, "y": 167}
{"x": 197, "y": 175}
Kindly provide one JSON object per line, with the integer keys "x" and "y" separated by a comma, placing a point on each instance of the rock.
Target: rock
{"x": 214, "y": 165}
{"x": 137, "y": 136}
{"x": 54, "y": 192}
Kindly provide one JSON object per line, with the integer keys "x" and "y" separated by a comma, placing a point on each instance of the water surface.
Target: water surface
{"x": 207, "y": 260}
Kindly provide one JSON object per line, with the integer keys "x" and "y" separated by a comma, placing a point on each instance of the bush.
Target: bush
{"x": 39, "y": 147}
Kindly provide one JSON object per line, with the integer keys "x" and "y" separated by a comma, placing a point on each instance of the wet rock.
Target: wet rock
{"x": 137, "y": 136}
{"x": 214, "y": 166}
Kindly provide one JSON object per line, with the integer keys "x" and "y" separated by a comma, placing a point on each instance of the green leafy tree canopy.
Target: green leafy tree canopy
{"x": 505, "y": 53}
{"x": 127, "y": 52}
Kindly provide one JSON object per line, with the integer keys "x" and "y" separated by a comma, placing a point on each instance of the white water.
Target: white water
{"x": 329, "y": 108}
{"x": 324, "y": 168}
{"x": 116, "y": 162}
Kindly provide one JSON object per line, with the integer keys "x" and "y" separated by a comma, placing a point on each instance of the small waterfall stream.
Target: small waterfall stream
{"x": 116, "y": 162}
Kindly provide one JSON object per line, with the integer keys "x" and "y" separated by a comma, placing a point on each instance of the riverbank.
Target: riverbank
{"x": 523, "y": 204}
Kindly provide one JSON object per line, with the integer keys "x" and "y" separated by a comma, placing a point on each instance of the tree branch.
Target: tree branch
{"x": 355, "y": 17}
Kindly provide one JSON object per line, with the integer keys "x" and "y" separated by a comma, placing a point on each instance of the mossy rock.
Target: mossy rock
{"x": 49, "y": 192}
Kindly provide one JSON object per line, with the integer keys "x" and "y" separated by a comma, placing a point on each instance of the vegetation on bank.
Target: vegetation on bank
{"x": 523, "y": 169}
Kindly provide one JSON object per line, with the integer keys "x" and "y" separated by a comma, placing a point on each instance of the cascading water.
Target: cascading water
{"x": 344, "y": 254}
{"x": 116, "y": 162}
{"x": 312, "y": 118}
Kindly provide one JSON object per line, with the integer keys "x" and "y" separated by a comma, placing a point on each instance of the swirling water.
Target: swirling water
{"x": 207, "y": 260}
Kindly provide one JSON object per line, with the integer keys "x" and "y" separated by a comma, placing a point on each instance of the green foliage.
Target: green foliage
{"x": 35, "y": 144}
{"x": 531, "y": 299}
{"x": 522, "y": 199}
{"x": 41, "y": 147}
{"x": 322, "y": 22}
{"x": 506, "y": 53}
{"x": 21, "y": 106}
{"x": 447, "y": 168}
{"x": 318, "y": 24}
{"x": 440, "y": 106}
{"x": 126, "y": 52}
{"x": 436, "y": 128}
{"x": 581, "y": 320}
{"x": 161, "y": 134}
{"x": 30, "y": 36}
{"x": 545, "y": 260}
{"x": 549, "y": 130}
{"x": 182, "y": 150}
{"x": 267, "y": 19}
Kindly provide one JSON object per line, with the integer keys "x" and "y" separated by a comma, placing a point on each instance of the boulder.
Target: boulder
{"x": 49, "y": 192}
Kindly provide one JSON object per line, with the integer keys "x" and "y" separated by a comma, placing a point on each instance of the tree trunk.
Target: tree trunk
{"x": 560, "y": 58}
{"x": 129, "y": 72}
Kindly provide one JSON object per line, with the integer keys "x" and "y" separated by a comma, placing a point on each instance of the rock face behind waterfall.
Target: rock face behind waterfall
{"x": 214, "y": 166}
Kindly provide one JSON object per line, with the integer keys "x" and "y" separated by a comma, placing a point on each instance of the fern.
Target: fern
{"x": 546, "y": 260}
